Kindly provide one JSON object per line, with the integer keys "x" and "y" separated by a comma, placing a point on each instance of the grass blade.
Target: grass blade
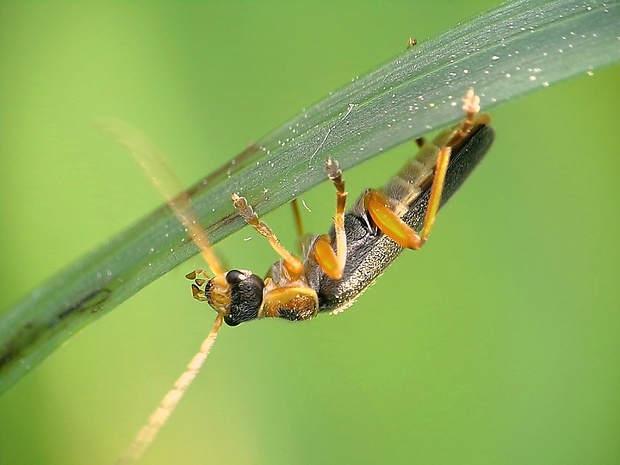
{"x": 504, "y": 53}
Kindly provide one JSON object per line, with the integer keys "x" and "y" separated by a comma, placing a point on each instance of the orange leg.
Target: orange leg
{"x": 332, "y": 262}
{"x": 298, "y": 224}
{"x": 382, "y": 212}
{"x": 392, "y": 225}
{"x": 293, "y": 265}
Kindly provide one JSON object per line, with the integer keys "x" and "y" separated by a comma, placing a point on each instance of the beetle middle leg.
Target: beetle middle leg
{"x": 332, "y": 262}
{"x": 298, "y": 225}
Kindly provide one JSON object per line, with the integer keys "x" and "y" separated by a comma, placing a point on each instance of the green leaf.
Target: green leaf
{"x": 504, "y": 53}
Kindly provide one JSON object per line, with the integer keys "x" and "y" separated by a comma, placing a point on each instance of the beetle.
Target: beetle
{"x": 336, "y": 267}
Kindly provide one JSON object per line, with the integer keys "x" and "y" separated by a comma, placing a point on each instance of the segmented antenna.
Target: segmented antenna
{"x": 167, "y": 184}
{"x": 158, "y": 418}
{"x": 161, "y": 175}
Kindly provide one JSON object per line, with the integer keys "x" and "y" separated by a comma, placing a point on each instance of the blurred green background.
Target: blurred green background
{"x": 498, "y": 343}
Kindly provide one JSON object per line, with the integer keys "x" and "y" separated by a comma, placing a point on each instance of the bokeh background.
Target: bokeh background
{"x": 498, "y": 343}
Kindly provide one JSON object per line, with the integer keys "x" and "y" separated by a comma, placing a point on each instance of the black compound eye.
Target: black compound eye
{"x": 246, "y": 297}
{"x": 234, "y": 277}
{"x": 230, "y": 321}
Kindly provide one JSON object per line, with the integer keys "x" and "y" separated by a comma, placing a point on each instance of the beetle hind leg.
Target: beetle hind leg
{"x": 391, "y": 224}
{"x": 386, "y": 211}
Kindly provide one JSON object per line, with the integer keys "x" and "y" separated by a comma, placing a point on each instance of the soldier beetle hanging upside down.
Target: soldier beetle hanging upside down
{"x": 336, "y": 267}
